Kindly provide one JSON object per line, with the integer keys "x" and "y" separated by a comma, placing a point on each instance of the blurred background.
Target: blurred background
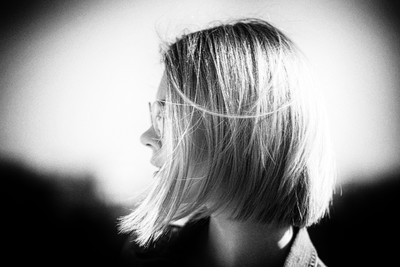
{"x": 75, "y": 80}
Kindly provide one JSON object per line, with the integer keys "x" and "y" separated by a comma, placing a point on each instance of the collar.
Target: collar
{"x": 302, "y": 251}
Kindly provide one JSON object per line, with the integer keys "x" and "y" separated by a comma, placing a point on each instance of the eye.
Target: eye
{"x": 159, "y": 112}
{"x": 158, "y": 117}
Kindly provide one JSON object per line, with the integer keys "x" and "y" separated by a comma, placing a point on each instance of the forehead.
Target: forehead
{"x": 162, "y": 88}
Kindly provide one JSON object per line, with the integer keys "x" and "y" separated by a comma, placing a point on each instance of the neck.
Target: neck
{"x": 234, "y": 243}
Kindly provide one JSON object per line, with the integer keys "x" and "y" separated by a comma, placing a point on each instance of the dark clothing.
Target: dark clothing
{"x": 178, "y": 245}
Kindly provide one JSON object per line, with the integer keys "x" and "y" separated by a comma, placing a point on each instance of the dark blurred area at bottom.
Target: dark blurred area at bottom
{"x": 49, "y": 220}
{"x": 363, "y": 227}
{"x": 59, "y": 221}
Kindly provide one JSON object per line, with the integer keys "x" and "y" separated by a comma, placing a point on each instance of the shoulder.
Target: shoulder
{"x": 155, "y": 254}
{"x": 169, "y": 250}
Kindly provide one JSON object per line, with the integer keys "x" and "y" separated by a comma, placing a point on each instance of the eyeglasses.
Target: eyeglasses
{"x": 157, "y": 116}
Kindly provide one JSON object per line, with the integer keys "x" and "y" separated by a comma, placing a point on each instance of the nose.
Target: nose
{"x": 149, "y": 138}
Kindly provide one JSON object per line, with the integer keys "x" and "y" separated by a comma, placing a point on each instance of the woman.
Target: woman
{"x": 241, "y": 150}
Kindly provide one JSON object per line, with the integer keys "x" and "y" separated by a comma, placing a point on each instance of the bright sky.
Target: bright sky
{"x": 75, "y": 97}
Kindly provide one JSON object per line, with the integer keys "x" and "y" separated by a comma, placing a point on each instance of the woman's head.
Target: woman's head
{"x": 241, "y": 133}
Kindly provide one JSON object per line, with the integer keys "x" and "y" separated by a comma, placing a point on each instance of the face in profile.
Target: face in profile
{"x": 153, "y": 136}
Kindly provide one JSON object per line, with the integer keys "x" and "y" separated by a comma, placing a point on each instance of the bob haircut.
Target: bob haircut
{"x": 243, "y": 134}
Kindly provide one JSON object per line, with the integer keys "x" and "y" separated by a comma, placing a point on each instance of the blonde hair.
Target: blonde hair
{"x": 243, "y": 133}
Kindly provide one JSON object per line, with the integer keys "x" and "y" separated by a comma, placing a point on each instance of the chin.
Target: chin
{"x": 156, "y": 162}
